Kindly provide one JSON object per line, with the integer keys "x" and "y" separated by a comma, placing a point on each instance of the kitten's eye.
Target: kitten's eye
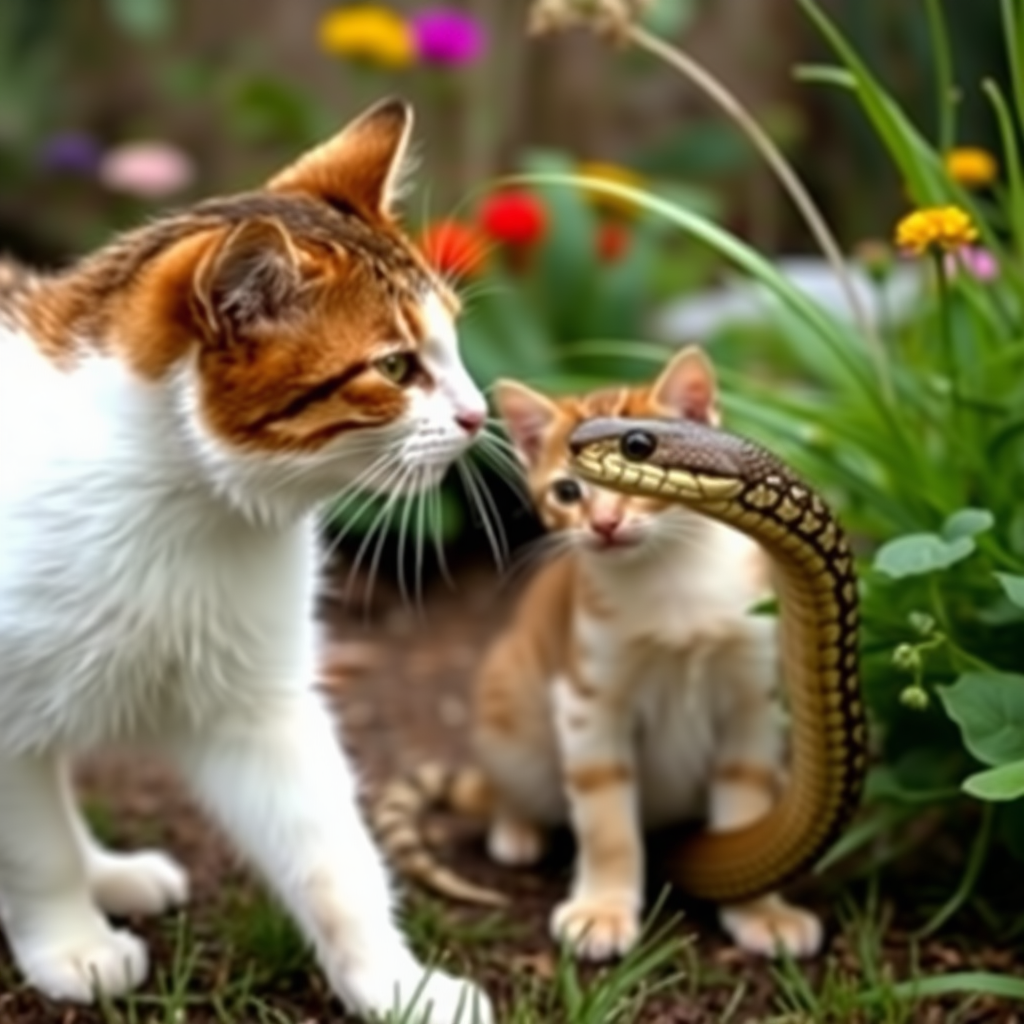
{"x": 398, "y": 367}
{"x": 566, "y": 491}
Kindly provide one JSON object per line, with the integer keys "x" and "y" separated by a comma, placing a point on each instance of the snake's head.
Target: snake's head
{"x": 648, "y": 456}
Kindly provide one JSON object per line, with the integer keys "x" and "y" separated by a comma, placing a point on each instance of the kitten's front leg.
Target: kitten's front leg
{"x": 281, "y": 786}
{"x": 601, "y": 919}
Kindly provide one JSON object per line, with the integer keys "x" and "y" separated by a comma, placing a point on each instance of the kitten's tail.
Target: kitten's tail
{"x": 396, "y": 819}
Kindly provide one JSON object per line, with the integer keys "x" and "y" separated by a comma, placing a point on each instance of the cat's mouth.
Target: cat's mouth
{"x": 613, "y": 542}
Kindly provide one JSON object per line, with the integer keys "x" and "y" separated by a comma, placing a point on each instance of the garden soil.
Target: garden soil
{"x": 399, "y": 677}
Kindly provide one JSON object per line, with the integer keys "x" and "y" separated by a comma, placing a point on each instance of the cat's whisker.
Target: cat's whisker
{"x": 385, "y": 525}
{"x": 506, "y": 465}
{"x": 480, "y": 496}
{"x": 436, "y": 515}
{"x": 398, "y": 473}
{"x": 358, "y": 489}
{"x": 545, "y": 547}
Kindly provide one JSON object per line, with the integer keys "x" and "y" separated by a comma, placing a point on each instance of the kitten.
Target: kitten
{"x": 173, "y": 410}
{"x": 632, "y": 687}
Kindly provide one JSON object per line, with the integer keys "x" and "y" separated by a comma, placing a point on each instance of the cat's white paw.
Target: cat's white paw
{"x": 768, "y": 925}
{"x": 597, "y": 927}
{"x": 415, "y": 996}
{"x": 516, "y": 844}
{"x": 74, "y": 966}
{"x": 143, "y": 883}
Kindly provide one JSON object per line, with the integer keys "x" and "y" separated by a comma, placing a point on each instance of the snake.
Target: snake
{"x": 734, "y": 480}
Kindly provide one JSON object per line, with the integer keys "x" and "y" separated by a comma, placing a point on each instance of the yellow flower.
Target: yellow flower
{"x": 367, "y": 32}
{"x": 971, "y": 167}
{"x": 612, "y": 173}
{"x": 943, "y": 227}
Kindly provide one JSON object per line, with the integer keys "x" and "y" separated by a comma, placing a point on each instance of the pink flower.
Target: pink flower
{"x": 978, "y": 262}
{"x": 148, "y": 169}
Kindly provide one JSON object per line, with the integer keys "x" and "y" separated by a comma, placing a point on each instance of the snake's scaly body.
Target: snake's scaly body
{"x": 733, "y": 480}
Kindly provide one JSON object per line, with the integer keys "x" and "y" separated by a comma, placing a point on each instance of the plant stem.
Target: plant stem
{"x": 975, "y": 862}
{"x": 788, "y": 178}
{"x": 946, "y": 332}
{"x": 943, "y": 74}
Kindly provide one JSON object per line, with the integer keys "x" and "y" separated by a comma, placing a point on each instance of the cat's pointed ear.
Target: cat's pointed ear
{"x": 363, "y": 166}
{"x": 250, "y": 276}
{"x": 687, "y": 387}
{"x": 527, "y": 415}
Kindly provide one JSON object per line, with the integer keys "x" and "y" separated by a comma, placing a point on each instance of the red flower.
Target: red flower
{"x": 454, "y": 248}
{"x": 514, "y": 216}
{"x": 612, "y": 240}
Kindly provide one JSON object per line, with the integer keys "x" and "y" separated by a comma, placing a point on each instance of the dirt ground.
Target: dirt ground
{"x": 399, "y": 677}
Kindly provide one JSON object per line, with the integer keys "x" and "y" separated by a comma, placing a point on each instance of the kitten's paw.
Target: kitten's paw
{"x": 143, "y": 883}
{"x": 597, "y": 927}
{"x": 515, "y": 843}
{"x": 74, "y": 967}
{"x": 769, "y": 924}
{"x": 416, "y": 996}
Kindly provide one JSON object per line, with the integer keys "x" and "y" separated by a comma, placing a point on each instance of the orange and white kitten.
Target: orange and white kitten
{"x": 173, "y": 410}
{"x": 632, "y": 688}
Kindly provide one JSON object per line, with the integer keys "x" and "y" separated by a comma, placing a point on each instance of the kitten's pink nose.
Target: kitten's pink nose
{"x": 606, "y": 524}
{"x": 470, "y": 421}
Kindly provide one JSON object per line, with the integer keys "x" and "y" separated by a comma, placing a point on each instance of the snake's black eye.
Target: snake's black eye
{"x": 566, "y": 491}
{"x": 637, "y": 445}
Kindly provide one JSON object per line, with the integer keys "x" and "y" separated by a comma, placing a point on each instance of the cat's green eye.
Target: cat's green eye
{"x": 398, "y": 367}
{"x": 567, "y": 491}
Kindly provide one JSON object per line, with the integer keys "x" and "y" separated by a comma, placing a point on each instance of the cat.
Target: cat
{"x": 632, "y": 687}
{"x": 175, "y": 408}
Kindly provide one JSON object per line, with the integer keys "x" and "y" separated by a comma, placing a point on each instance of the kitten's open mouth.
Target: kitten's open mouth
{"x": 616, "y": 543}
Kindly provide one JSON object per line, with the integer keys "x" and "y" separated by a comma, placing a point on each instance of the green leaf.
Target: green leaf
{"x": 142, "y": 19}
{"x": 920, "y": 553}
{"x": 968, "y": 522}
{"x": 1005, "y": 782}
{"x": 989, "y": 708}
{"x": 1013, "y": 586}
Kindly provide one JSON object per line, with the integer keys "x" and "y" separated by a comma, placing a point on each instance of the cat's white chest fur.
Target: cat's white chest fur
{"x": 130, "y": 603}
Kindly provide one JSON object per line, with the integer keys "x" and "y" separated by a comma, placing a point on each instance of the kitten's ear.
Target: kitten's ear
{"x": 527, "y": 416}
{"x": 250, "y": 276}
{"x": 687, "y": 387}
{"x": 362, "y": 166}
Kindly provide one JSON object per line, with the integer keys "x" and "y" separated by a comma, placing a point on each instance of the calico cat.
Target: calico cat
{"x": 173, "y": 410}
{"x": 632, "y": 688}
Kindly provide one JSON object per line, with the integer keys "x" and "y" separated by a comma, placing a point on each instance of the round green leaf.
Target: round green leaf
{"x": 968, "y": 522}
{"x": 918, "y": 553}
{"x": 989, "y": 708}
{"x": 1006, "y": 782}
{"x": 1013, "y": 586}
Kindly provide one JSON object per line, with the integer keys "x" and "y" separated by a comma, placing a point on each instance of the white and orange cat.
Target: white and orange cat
{"x": 173, "y": 410}
{"x": 633, "y": 686}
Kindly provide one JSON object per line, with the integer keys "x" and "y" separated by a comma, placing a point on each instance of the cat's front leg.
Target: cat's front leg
{"x": 60, "y": 940}
{"x": 278, "y": 781}
{"x": 601, "y": 918}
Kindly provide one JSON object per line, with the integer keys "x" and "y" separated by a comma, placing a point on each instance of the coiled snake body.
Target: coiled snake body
{"x": 733, "y": 480}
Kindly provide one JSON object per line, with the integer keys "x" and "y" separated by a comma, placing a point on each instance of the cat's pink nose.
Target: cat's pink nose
{"x": 606, "y": 525}
{"x": 470, "y": 421}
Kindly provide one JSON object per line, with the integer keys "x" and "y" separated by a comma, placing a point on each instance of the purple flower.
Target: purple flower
{"x": 446, "y": 35}
{"x": 978, "y": 262}
{"x": 70, "y": 153}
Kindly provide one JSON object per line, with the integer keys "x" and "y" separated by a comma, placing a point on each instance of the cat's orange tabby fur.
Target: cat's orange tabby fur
{"x": 633, "y": 687}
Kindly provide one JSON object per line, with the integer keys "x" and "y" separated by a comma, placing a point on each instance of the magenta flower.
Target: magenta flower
{"x": 447, "y": 36}
{"x": 975, "y": 260}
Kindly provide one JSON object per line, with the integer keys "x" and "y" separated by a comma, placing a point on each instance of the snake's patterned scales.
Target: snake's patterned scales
{"x": 739, "y": 483}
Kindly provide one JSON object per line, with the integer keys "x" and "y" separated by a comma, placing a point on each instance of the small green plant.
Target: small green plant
{"x": 914, "y": 430}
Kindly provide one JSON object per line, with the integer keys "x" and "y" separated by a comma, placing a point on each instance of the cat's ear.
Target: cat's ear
{"x": 527, "y": 416}
{"x": 687, "y": 387}
{"x": 250, "y": 276}
{"x": 363, "y": 166}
